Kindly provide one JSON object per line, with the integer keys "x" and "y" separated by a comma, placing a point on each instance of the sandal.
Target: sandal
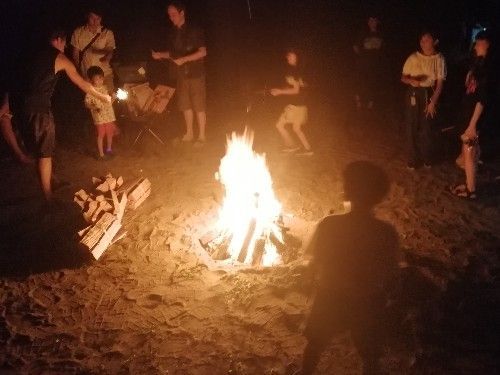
{"x": 461, "y": 191}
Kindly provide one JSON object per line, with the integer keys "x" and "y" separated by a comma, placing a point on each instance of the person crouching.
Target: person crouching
{"x": 295, "y": 112}
{"x": 103, "y": 114}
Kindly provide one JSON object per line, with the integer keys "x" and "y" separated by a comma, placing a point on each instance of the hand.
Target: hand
{"x": 414, "y": 82}
{"x": 275, "y": 92}
{"x": 156, "y": 55}
{"x": 430, "y": 110}
{"x": 469, "y": 134}
{"x": 180, "y": 61}
{"x": 107, "y": 99}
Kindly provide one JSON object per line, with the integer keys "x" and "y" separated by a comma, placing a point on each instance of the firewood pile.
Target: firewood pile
{"x": 104, "y": 208}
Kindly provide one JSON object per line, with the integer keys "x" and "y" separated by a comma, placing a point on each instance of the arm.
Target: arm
{"x": 195, "y": 56}
{"x": 110, "y": 47}
{"x": 409, "y": 80}
{"x": 471, "y": 131}
{"x": 430, "y": 110}
{"x": 294, "y": 90}
{"x": 4, "y": 106}
{"x": 164, "y": 55}
{"x": 63, "y": 63}
{"x": 76, "y": 56}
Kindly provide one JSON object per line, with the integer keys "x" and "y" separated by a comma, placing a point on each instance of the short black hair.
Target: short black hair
{"x": 96, "y": 8}
{"x": 365, "y": 184}
{"x": 483, "y": 35}
{"x": 179, "y": 5}
{"x": 94, "y": 71}
{"x": 56, "y": 34}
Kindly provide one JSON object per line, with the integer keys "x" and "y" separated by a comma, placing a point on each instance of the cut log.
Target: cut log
{"x": 99, "y": 236}
{"x": 137, "y": 191}
{"x": 119, "y": 181}
{"x": 96, "y": 181}
{"x": 103, "y": 188}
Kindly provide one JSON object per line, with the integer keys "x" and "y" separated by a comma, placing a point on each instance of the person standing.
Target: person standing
{"x": 187, "y": 51}
{"x": 295, "y": 112}
{"x": 94, "y": 45}
{"x": 368, "y": 49}
{"x": 472, "y": 115}
{"x": 424, "y": 73}
{"x": 38, "y": 114}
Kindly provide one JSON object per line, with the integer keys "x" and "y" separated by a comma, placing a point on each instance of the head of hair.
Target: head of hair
{"x": 179, "y": 5}
{"x": 96, "y": 8}
{"x": 483, "y": 35}
{"x": 365, "y": 184}
{"x": 56, "y": 34}
{"x": 429, "y": 32}
{"x": 94, "y": 71}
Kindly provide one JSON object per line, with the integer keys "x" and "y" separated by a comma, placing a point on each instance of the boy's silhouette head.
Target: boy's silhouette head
{"x": 365, "y": 184}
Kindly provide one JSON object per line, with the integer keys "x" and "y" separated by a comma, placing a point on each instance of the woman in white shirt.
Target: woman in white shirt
{"x": 423, "y": 72}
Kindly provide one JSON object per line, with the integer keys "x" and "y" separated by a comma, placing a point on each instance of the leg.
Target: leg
{"x": 471, "y": 157}
{"x": 369, "y": 347}
{"x": 101, "y": 131}
{"x": 202, "y": 122}
{"x": 280, "y": 125}
{"x": 10, "y": 138}
{"x": 300, "y": 118}
{"x": 188, "y": 119}
{"x": 110, "y": 132}
{"x": 45, "y": 174}
{"x": 312, "y": 355}
{"x": 425, "y": 139}
{"x": 198, "y": 101}
{"x": 411, "y": 130}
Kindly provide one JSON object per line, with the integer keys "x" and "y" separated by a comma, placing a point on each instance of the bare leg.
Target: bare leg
{"x": 45, "y": 172}
{"x": 110, "y": 132}
{"x": 280, "y": 125}
{"x": 100, "y": 139}
{"x": 10, "y": 138}
{"x": 471, "y": 157}
{"x": 202, "y": 123}
{"x": 297, "y": 128}
{"x": 188, "y": 118}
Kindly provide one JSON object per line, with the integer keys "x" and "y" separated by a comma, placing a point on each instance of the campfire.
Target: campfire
{"x": 249, "y": 226}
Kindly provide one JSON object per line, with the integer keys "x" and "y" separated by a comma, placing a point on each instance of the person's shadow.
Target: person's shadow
{"x": 354, "y": 262}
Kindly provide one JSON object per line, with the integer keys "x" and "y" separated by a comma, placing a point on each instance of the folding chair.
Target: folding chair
{"x": 145, "y": 104}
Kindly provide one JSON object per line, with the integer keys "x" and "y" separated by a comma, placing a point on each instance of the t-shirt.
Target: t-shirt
{"x": 184, "y": 41}
{"x": 426, "y": 68}
{"x": 102, "y": 113}
{"x": 477, "y": 90}
{"x": 294, "y": 75}
{"x": 81, "y": 38}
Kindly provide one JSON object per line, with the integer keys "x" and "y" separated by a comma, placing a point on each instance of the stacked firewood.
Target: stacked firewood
{"x": 103, "y": 210}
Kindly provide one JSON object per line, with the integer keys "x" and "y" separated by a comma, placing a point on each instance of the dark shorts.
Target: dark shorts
{"x": 42, "y": 134}
{"x": 191, "y": 94}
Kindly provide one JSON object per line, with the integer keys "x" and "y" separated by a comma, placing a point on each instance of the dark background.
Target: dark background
{"x": 246, "y": 53}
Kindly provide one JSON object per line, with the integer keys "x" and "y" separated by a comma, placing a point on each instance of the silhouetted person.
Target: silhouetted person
{"x": 355, "y": 257}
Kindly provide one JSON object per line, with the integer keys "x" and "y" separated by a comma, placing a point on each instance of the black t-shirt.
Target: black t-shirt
{"x": 370, "y": 46}
{"x": 477, "y": 91}
{"x": 295, "y": 74}
{"x": 185, "y": 41}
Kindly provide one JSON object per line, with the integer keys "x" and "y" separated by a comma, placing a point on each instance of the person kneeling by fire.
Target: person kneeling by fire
{"x": 295, "y": 112}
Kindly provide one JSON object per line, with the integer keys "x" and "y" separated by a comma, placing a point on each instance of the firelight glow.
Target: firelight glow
{"x": 121, "y": 94}
{"x": 249, "y": 199}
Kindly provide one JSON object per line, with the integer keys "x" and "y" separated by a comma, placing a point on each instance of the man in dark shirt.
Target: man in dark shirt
{"x": 187, "y": 51}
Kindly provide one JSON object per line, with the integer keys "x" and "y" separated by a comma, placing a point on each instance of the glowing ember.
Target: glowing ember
{"x": 250, "y": 211}
{"x": 121, "y": 94}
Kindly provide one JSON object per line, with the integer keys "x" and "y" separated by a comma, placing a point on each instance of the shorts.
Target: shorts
{"x": 191, "y": 94}
{"x": 42, "y": 131}
{"x": 294, "y": 114}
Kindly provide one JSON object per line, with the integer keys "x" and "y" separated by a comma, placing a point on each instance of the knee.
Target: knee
{"x": 280, "y": 125}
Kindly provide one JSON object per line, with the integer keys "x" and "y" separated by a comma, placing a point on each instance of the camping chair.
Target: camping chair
{"x": 145, "y": 104}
